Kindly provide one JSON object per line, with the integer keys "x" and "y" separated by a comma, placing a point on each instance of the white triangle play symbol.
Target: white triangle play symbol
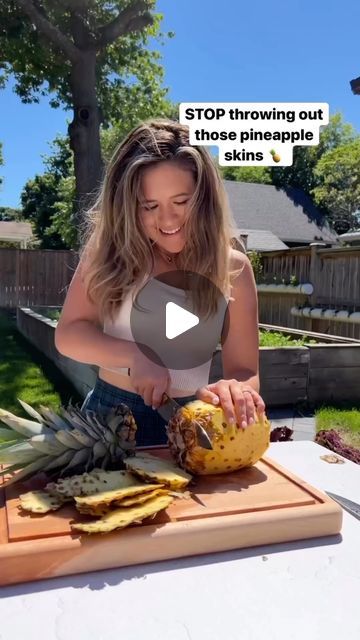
{"x": 178, "y": 320}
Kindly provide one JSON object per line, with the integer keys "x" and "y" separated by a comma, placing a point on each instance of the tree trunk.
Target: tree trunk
{"x": 84, "y": 132}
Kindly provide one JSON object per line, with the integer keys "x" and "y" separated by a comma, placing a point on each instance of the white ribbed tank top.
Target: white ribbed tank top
{"x": 184, "y": 380}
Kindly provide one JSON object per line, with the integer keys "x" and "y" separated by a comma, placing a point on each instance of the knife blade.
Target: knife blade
{"x": 352, "y": 507}
{"x": 167, "y": 410}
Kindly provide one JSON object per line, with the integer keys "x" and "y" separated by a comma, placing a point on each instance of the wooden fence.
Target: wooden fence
{"x": 335, "y": 276}
{"x": 33, "y": 277}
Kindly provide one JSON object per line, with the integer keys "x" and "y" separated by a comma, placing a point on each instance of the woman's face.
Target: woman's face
{"x": 166, "y": 190}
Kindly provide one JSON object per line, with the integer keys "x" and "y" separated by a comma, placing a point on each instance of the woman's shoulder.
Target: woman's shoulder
{"x": 238, "y": 260}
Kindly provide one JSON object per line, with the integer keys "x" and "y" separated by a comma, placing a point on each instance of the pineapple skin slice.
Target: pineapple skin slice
{"x": 140, "y": 498}
{"x": 122, "y": 517}
{"x": 106, "y": 497}
{"x": 233, "y": 447}
{"x": 39, "y": 502}
{"x": 95, "y": 481}
{"x": 103, "y": 508}
{"x": 93, "y": 510}
{"x": 156, "y": 469}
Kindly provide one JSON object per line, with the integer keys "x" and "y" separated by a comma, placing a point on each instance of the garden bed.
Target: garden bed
{"x": 313, "y": 373}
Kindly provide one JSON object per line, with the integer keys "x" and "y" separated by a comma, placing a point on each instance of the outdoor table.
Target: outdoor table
{"x": 303, "y": 590}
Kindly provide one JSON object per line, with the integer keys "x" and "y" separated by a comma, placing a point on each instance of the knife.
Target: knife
{"x": 167, "y": 410}
{"x": 352, "y": 507}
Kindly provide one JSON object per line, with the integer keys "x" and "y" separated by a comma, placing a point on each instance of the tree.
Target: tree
{"x": 246, "y": 174}
{"x": 8, "y": 214}
{"x": 89, "y": 52}
{"x": 301, "y": 174}
{"x": 338, "y": 175}
{"x": 38, "y": 199}
{"x": 49, "y": 200}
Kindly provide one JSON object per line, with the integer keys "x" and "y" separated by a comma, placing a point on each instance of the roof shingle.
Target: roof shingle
{"x": 288, "y": 213}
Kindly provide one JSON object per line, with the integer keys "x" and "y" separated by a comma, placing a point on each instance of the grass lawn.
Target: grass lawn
{"x": 344, "y": 420}
{"x": 27, "y": 374}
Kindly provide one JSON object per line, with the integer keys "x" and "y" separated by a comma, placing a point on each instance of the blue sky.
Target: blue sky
{"x": 233, "y": 51}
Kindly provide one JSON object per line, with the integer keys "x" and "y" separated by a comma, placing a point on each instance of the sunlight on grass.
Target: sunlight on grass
{"x": 26, "y": 374}
{"x": 345, "y": 421}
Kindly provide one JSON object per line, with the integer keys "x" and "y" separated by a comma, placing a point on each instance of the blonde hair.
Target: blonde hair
{"x": 120, "y": 253}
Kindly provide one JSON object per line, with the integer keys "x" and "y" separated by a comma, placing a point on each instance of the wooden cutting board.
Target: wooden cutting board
{"x": 262, "y": 504}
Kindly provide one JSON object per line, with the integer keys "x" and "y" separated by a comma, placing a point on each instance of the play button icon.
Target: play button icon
{"x": 168, "y": 326}
{"x": 178, "y": 320}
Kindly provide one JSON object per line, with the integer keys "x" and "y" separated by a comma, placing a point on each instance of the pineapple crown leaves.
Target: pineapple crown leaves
{"x": 60, "y": 443}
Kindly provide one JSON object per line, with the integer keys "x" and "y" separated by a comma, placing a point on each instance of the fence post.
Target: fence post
{"x": 17, "y": 278}
{"x": 315, "y": 280}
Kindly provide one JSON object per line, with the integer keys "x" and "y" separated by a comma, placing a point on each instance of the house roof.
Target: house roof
{"x": 259, "y": 240}
{"x": 351, "y": 236}
{"x": 288, "y": 213}
{"x": 15, "y": 231}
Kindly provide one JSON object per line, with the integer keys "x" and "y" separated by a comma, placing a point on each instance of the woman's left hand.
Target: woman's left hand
{"x": 239, "y": 401}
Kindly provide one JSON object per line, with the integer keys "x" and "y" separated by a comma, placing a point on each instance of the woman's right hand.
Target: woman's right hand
{"x": 150, "y": 380}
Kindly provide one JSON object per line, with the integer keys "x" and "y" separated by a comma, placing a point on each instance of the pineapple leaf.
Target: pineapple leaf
{"x": 75, "y": 419}
{"x": 67, "y": 439}
{"x": 80, "y": 457}
{"x": 8, "y": 434}
{"x": 60, "y": 461}
{"x": 29, "y": 470}
{"x": 99, "y": 450}
{"x": 31, "y": 411}
{"x": 54, "y": 420}
{"x": 83, "y": 438}
{"x": 47, "y": 444}
{"x": 20, "y": 453}
{"x": 26, "y": 427}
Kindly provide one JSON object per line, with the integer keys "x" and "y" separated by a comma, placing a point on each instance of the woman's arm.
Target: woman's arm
{"x": 79, "y": 333}
{"x": 240, "y": 350}
{"x": 238, "y": 391}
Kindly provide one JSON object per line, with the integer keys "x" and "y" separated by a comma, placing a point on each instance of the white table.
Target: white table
{"x": 305, "y": 590}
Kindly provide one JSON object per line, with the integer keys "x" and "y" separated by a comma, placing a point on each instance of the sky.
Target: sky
{"x": 233, "y": 51}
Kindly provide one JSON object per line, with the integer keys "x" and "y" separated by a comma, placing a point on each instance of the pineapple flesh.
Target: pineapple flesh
{"x": 233, "y": 447}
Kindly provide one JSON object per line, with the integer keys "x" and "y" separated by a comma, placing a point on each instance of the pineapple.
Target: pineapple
{"x": 233, "y": 447}
{"x": 122, "y": 517}
{"x": 155, "y": 469}
{"x": 60, "y": 444}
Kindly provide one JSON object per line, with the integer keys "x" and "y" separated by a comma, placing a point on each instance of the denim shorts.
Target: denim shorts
{"x": 150, "y": 425}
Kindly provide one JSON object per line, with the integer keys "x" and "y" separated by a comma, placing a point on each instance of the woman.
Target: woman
{"x": 161, "y": 207}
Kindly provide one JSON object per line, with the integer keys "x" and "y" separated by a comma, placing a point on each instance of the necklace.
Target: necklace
{"x": 168, "y": 257}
